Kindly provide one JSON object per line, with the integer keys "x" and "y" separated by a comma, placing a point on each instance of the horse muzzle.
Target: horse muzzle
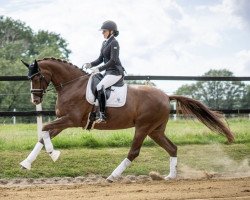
{"x": 37, "y": 96}
{"x": 36, "y": 100}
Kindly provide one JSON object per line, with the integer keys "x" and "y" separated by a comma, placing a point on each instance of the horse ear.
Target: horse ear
{"x": 26, "y": 64}
{"x": 35, "y": 65}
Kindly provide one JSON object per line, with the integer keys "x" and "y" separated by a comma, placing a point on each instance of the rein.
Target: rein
{"x": 41, "y": 91}
{"x": 61, "y": 85}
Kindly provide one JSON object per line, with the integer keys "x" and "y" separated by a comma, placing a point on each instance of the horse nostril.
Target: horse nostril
{"x": 36, "y": 101}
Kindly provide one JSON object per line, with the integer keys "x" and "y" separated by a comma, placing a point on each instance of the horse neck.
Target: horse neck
{"x": 61, "y": 72}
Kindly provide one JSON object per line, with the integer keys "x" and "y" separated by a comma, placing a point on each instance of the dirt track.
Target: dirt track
{"x": 127, "y": 188}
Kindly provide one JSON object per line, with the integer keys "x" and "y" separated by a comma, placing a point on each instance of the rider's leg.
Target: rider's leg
{"x": 102, "y": 105}
{"x": 106, "y": 82}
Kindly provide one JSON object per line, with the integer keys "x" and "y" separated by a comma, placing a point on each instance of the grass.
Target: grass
{"x": 217, "y": 158}
{"x": 86, "y": 152}
{"x": 181, "y": 132}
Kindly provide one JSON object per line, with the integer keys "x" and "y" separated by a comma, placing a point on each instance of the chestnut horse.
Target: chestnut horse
{"x": 147, "y": 109}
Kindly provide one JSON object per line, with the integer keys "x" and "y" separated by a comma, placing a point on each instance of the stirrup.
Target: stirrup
{"x": 101, "y": 118}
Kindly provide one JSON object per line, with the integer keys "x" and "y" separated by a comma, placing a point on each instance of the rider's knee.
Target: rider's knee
{"x": 98, "y": 87}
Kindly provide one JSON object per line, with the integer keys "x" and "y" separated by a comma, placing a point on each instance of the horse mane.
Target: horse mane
{"x": 61, "y": 61}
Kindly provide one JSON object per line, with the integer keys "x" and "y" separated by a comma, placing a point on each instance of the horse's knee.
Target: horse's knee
{"x": 133, "y": 154}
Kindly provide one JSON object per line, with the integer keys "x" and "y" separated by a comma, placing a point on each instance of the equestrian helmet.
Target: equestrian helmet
{"x": 109, "y": 25}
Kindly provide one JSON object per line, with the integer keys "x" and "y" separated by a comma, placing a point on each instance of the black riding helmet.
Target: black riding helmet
{"x": 111, "y": 26}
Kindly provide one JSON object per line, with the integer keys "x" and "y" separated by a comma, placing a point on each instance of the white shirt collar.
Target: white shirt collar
{"x": 108, "y": 38}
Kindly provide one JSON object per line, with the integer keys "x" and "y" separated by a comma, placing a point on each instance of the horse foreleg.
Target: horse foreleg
{"x": 54, "y": 154}
{"x": 133, "y": 153}
{"x": 60, "y": 123}
{"x": 51, "y": 130}
{"x": 26, "y": 164}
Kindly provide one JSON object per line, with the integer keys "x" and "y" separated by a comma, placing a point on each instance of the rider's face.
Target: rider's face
{"x": 105, "y": 33}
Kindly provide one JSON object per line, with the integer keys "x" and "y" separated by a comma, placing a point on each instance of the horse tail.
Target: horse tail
{"x": 211, "y": 119}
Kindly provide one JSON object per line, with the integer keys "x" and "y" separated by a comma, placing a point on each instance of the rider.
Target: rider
{"x": 112, "y": 64}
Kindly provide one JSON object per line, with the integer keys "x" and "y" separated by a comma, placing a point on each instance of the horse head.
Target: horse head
{"x": 39, "y": 82}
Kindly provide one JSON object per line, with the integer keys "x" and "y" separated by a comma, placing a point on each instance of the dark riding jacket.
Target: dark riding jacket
{"x": 110, "y": 56}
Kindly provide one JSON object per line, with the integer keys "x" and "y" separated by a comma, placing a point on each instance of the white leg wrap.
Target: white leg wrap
{"x": 54, "y": 154}
{"x": 118, "y": 171}
{"x": 47, "y": 142}
{"x": 34, "y": 153}
{"x": 32, "y": 156}
{"x": 173, "y": 169}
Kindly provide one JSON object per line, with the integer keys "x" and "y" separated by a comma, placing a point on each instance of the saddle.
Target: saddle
{"x": 96, "y": 78}
{"x": 116, "y": 96}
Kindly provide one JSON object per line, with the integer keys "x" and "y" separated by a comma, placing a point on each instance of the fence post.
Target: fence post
{"x": 39, "y": 120}
{"x": 175, "y": 110}
{"x": 14, "y": 117}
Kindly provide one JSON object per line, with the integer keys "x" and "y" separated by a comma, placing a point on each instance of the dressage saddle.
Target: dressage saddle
{"x": 97, "y": 79}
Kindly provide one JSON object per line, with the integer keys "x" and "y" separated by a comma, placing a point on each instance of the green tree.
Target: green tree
{"x": 46, "y": 44}
{"x": 139, "y": 82}
{"x": 216, "y": 94}
{"x": 246, "y": 98}
{"x": 18, "y": 41}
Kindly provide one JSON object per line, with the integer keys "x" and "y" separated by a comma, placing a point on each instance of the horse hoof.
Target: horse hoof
{"x": 110, "y": 179}
{"x": 25, "y": 165}
{"x": 55, "y": 155}
{"x": 170, "y": 177}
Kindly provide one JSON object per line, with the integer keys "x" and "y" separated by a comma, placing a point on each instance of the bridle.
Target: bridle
{"x": 42, "y": 90}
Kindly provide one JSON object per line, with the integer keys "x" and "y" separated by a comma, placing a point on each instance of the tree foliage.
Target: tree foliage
{"x": 18, "y": 41}
{"x": 217, "y": 94}
{"x": 135, "y": 82}
{"x": 246, "y": 98}
{"x": 139, "y": 82}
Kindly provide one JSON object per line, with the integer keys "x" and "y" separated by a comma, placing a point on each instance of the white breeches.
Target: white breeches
{"x": 108, "y": 81}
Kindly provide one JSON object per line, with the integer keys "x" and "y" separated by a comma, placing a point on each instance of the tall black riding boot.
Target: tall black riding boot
{"x": 101, "y": 117}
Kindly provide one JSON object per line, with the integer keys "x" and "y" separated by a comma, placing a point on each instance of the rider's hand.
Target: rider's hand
{"x": 87, "y": 65}
{"x": 96, "y": 70}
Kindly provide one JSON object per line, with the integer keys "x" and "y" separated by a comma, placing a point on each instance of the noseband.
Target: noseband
{"x": 39, "y": 92}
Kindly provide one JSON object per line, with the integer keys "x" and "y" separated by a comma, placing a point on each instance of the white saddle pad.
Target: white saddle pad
{"x": 117, "y": 97}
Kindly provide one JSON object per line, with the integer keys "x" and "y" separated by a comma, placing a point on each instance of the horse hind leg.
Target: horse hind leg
{"x": 133, "y": 153}
{"x": 160, "y": 138}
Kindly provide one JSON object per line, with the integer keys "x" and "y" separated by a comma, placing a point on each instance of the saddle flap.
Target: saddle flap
{"x": 115, "y": 95}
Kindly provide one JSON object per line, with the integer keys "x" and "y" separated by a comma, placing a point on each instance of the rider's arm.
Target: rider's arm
{"x": 114, "y": 56}
{"x": 99, "y": 60}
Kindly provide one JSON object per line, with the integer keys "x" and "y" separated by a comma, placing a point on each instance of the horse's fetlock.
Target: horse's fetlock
{"x": 133, "y": 154}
